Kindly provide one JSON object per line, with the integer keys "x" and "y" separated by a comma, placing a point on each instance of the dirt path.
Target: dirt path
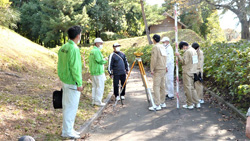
{"x": 135, "y": 122}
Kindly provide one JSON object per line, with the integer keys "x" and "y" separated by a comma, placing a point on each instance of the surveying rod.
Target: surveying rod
{"x": 176, "y": 50}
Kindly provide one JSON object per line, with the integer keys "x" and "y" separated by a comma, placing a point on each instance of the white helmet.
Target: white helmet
{"x": 98, "y": 40}
{"x": 164, "y": 39}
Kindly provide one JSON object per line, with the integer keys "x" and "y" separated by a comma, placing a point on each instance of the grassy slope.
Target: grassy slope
{"x": 25, "y": 102}
{"x": 27, "y": 79}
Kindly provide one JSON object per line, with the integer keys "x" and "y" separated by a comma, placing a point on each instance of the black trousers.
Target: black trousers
{"x": 116, "y": 80}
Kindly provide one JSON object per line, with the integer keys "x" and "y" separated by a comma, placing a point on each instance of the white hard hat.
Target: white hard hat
{"x": 116, "y": 45}
{"x": 98, "y": 40}
{"x": 164, "y": 39}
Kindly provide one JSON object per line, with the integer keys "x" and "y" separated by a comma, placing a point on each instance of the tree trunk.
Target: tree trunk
{"x": 87, "y": 39}
{"x": 244, "y": 29}
{"x": 145, "y": 22}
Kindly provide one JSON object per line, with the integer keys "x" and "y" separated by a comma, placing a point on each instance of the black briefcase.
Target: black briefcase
{"x": 57, "y": 99}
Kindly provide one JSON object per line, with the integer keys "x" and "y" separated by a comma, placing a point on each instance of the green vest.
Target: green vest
{"x": 69, "y": 66}
{"x": 96, "y": 62}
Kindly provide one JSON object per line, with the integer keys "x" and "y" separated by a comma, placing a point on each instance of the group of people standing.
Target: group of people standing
{"x": 162, "y": 64}
{"x": 161, "y": 67}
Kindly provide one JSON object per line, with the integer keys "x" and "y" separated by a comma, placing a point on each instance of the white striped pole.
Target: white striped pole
{"x": 176, "y": 50}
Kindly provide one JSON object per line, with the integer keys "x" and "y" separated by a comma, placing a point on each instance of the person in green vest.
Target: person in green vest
{"x": 70, "y": 73}
{"x": 96, "y": 67}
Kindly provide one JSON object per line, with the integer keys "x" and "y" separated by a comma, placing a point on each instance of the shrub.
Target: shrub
{"x": 227, "y": 67}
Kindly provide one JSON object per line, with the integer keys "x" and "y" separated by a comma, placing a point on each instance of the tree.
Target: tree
{"x": 154, "y": 14}
{"x": 30, "y": 23}
{"x": 145, "y": 22}
{"x": 240, "y": 8}
{"x": 8, "y": 16}
{"x": 215, "y": 33}
{"x": 195, "y": 14}
{"x": 47, "y": 21}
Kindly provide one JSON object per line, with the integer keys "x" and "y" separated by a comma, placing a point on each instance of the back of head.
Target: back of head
{"x": 157, "y": 38}
{"x": 182, "y": 44}
{"x": 74, "y": 31}
{"x": 195, "y": 45}
{"x": 26, "y": 138}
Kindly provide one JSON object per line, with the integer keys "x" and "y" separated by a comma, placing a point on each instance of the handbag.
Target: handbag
{"x": 57, "y": 99}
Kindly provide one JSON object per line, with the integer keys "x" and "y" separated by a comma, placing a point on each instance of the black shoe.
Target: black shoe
{"x": 171, "y": 98}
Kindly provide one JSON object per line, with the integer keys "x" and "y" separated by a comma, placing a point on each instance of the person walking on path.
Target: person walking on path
{"x": 118, "y": 68}
{"x": 189, "y": 69}
{"x": 158, "y": 70}
{"x": 198, "y": 84}
{"x": 70, "y": 73}
{"x": 96, "y": 67}
{"x": 169, "y": 82}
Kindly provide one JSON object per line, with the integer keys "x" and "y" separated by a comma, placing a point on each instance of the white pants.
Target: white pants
{"x": 169, "y": 82}
{"x": 70, "y": 103}
{"x": 98, "y": 88}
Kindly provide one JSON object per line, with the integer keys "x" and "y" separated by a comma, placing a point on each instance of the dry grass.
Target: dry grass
{"x": 27, "y": 79}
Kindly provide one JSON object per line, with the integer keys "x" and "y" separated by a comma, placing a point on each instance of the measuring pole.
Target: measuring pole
{"x": 176, "y": 50}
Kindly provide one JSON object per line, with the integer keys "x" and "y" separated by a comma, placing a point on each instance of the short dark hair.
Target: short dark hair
{"x": 74, "y": 31}
{"x": 183, "y": 43}
{"x": 195, "y": 45}
{"x": 157, "y": 38}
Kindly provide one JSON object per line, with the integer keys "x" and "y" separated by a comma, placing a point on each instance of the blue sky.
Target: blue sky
{"x": 227, "y": 20}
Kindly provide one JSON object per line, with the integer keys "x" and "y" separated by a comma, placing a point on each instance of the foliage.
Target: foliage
{"x": 110, "y": 36}
{"x": 198, "y": 16}
{"x": 227, "y": 66}
{"x": 8, "y": 16}
{"x": 45, "y": 22}
{"x": 215, "y": 33}
{"x": 238, "y": 7}
{"x": 40, "y": 21}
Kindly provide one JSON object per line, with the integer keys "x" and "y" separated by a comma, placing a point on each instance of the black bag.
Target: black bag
{"x": 196, "y": 78}
{"x": 200, "y": 78}
{"x": 57, "y": 99}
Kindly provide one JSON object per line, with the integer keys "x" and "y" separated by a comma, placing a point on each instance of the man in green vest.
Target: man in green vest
{"x": 70, "y": 73}
{"x": 96, "y": 67}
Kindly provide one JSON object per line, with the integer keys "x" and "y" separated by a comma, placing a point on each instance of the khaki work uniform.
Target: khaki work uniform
{"x": 158, "y": 67}
{"x": 189, "y": 68}
{"x": 198, "y": 85}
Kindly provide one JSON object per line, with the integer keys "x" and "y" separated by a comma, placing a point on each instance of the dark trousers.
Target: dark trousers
{"x": 116, "y": 80}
